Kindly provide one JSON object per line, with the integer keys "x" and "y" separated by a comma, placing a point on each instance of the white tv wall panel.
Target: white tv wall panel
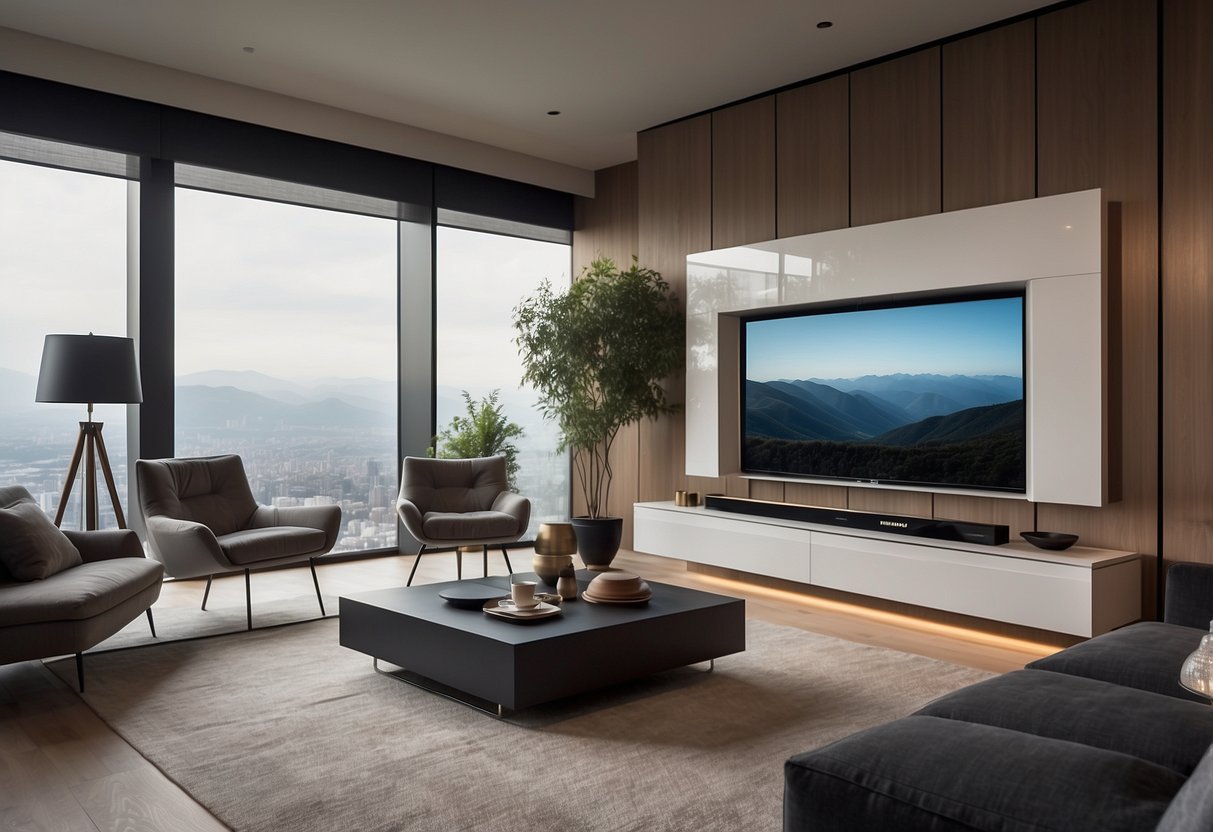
{"x": 1052, "y": 247}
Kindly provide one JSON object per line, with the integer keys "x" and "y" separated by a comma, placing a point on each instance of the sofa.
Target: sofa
{"x": 62, "y": 592}
{"x": 1099, "y": 736}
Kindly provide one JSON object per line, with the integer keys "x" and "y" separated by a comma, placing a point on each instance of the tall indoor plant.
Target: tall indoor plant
{"x": 597, "y": 355}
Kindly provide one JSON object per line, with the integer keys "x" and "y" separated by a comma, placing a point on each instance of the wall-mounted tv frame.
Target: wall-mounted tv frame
{"x": 913, "y": 391}
{"x": 1051, "y": 248}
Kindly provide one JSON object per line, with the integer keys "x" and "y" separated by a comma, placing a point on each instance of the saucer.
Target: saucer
{"x": 542, "y": 610}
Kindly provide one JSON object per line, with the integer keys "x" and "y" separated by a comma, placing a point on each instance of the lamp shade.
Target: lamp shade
{"x": 95, "y": 369}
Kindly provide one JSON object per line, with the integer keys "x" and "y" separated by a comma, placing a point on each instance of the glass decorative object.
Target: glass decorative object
{"x": 1196, "y": 674}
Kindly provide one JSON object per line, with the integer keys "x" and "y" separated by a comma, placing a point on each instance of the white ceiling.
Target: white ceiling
{"x": 488, "y": 70}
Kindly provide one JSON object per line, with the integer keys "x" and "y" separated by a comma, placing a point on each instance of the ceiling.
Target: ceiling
{"x": 489, "y": 70}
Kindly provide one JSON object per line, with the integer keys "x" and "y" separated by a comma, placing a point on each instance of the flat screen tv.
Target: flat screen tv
{"x": 926, "y": 393}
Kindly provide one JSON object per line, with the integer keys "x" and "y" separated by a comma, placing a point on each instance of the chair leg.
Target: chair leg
{"x": 415, "y": 562}
{"x": 151, "y": 622}
{"x": 80, "y": 670}
{"x": 248, "y": 598}
{"x": 312, "y": 563}
{"x": 506, "y": 555}
{"x": 207, "y": 593}
{"x": 458, "y": 564}
{"x": 484, "y": 551}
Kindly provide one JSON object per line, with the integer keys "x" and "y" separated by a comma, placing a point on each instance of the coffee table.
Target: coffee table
{"x": 499, "y": 665}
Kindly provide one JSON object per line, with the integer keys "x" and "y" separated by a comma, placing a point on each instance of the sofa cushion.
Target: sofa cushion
{"x": 928, "y": 773}
{"x": 270, "y": 543}
{"x": 1192, "y": 808}
{"x": 78, "y": 593}
{"x": 31, "y": 546}
{"x": 1146, "y": 656}
{"x": 1161, "y": 729}
{"x": 468, "y": 525}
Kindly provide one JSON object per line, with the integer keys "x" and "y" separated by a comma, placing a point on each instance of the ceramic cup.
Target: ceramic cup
{"x": 523, "y": 594}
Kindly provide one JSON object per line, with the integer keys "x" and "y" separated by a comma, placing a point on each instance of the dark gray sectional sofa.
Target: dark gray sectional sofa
{"x": 1097, "y": 737}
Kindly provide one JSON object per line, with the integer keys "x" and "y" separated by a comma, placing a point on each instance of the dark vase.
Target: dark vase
{"x": 598, "y": 540}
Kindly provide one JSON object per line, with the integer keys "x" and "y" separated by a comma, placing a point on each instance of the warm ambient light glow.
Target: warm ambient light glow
{"x": 884, "y": 617}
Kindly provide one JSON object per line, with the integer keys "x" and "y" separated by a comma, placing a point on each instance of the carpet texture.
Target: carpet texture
{"x": 283, "y": 729}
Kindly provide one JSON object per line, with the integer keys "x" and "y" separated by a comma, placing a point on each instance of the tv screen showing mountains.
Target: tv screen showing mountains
{"x": 964, "y": 431}
{"x": 925, "y": 394}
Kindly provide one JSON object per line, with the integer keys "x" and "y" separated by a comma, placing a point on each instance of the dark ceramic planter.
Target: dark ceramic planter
{"x": 598, "y": 540}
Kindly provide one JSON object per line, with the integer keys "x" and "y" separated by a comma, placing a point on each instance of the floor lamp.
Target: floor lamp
{"x": 89, "y": 369}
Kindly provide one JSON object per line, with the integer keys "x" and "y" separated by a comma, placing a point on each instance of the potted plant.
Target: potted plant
{"x": 483, "y": 431}
{"x": 597, "y": 354}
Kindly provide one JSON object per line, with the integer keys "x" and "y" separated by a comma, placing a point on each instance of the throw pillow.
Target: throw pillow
{"x": 31, "y": 547}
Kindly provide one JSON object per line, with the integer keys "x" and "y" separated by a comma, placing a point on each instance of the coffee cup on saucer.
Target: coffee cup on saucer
{"x": 523, "y": 595}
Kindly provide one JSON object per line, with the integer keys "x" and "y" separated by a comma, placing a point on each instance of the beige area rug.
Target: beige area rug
{"x": 285, "y": 730}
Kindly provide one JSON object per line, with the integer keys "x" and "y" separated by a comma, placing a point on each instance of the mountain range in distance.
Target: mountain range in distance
{"x": 896, "y": 409}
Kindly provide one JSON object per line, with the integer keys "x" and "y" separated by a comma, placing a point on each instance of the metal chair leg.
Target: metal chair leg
{"x": 484, "y": 551}
{"x": 80, "y": 670}
{"x": 312, "y": 563}
{"x": 151, "y": 622}
{"x": 506, "y": 555}
{"x": 207, "y": 593}
{"x": 458, "y": 564}
{"x": 248, "y": 598}
{"x": 415, "y": 562}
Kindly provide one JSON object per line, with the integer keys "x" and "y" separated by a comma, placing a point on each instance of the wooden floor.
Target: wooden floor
{"x": 62, "y": 768}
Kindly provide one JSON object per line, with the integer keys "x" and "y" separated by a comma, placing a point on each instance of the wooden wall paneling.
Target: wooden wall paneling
{"x": 1017, "y": 514}
{"x": 812, "y": 172}
{"x": 743, "y": 173}
{"x": 813, "y": 494}
{"x": 675, "y": 198}
{"x": 1097, "y": 127}
{"x": 767, "y": 490}
{"x": 916, "y": 503}
{"x": 1187, "y": 280}
{"x": 895, "y": 139}
{"x": 608, "y": 225}
{"x": 989, "y": 117}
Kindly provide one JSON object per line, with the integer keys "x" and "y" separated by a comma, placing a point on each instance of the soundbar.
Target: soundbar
{"x": 991, "y": 534}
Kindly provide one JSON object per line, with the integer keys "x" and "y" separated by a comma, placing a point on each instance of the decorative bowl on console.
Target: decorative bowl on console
{"x": 1053, "y": 541}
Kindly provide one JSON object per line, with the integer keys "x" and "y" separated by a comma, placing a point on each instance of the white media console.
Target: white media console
{"x": 1080, "y": 591}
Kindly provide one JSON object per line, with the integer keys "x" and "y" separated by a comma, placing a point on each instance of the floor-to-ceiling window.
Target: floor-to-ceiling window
{"x": 63, "y": 269}
{"x": 286, "y": 352}
{"x": 481, "y": 277}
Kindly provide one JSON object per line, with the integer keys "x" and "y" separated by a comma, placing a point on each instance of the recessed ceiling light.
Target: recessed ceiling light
{"x": 824, "y": 24}
{"x": 553, "y": 112}
{"x": 249, "y": 49}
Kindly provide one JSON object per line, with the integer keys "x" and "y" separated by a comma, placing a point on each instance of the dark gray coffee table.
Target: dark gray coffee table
{"x": 495, "y": 664}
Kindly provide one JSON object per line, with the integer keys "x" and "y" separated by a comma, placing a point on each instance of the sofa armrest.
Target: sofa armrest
{"x": 105, "y": 544}
{"x": 325, "y": 518}
{"x": 1189, "y": 600}
{"x": 515, "y": 505}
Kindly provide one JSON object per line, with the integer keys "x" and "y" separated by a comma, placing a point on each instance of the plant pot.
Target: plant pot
{"x": 598, "y": 540}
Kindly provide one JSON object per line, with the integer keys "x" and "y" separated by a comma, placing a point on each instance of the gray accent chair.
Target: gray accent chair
{"x": 460, "y": 502}
{"x": 81, "y": 606}
{"x": 201, "y": 519}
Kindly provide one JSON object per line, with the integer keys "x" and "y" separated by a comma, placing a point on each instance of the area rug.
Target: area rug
{"x": 284, "y": 729}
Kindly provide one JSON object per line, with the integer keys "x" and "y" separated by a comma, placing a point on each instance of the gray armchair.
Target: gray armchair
{"x": 460, "y": 502}
{"x": 201, "y": 519}
{"x": 72, "y": 590}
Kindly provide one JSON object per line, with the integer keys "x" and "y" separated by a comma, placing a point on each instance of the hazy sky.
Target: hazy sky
{"x": 971, "y": 338}
{"x": 294, "y": 292}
